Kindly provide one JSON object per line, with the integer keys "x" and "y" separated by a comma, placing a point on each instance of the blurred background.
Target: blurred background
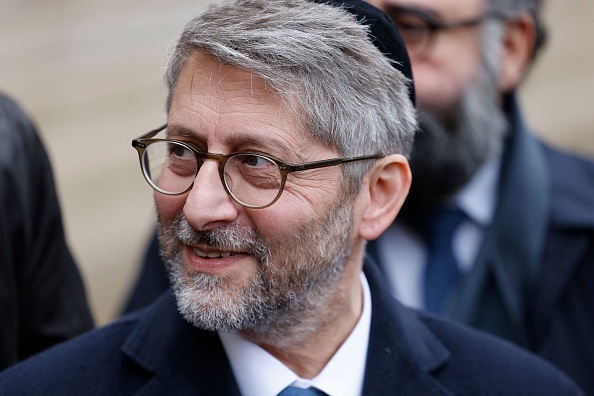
{"x": 90, "y": 74}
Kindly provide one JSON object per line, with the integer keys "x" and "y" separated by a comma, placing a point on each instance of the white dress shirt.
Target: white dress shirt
{"x": 403, "y": 254}
{"x": 258, "y": 373}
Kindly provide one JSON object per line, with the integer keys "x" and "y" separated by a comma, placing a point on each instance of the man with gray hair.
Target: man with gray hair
{"x": 283, "y": 153}
{"x": 515, "y": 253}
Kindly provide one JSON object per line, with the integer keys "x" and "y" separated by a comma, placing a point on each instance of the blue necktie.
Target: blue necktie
{"x": 441, "y": 271}
{"x": 295, "y": 391}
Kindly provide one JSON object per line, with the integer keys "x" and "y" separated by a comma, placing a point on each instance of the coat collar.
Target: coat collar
{"x": 179, "y": 356}
{"x": 514, "y": 241}
{"x": 402, "y": 353}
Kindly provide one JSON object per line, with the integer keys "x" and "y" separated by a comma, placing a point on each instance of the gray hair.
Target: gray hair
{"x": 343, "y": 91}
{"x": 513, "y": 8}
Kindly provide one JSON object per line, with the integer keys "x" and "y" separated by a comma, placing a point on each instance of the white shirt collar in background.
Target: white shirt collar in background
{"x": 479, "y": 197}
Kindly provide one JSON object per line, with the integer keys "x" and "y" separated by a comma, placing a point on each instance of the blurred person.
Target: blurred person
{"x": 270, "y": 293}
{"x": 514, "y": 254}
{"x": 42, "y": 298}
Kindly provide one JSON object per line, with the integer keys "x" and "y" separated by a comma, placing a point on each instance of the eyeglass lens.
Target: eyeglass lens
{"x": 415, "y": 31}
{"x": 252, "y": 179}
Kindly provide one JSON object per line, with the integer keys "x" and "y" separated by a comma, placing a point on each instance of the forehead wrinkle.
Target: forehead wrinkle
{"x": 214, "y": 79}
{"x": 211, "y": 86}
{"x": 211, "y": 98}
{"x": 192, "y": 89}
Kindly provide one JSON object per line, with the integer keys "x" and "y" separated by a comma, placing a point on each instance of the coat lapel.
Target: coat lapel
{"x": 402, "y": 352}
{"x": 509, "y": 256}
{"x": 179, "y": 356}
{"x": 563, "y": 253}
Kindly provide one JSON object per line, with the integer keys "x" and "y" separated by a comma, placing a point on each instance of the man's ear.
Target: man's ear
{"x": 388, "y": 187}
{"x": 516, "y": 51}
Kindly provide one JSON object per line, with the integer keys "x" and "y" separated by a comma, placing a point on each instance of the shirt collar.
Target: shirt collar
{"x": 479, "y": 197}
{"x": 258, "y": 373}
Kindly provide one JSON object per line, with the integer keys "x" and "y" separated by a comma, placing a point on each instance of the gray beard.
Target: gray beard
{"x": 454, "y": 143}
{"x": 296, "y": 277}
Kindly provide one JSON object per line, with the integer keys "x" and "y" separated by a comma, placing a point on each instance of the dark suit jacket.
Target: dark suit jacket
{"x": 42, "y": 299}
{"x": 532, "y": 281}
{"x": 154, "y": 351}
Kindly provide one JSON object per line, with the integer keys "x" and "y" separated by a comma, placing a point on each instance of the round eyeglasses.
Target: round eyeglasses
{"x": 252, "y": 179}
{"x": 419, "y": 27}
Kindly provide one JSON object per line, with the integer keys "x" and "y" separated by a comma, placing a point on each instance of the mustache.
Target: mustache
{"x": 230, "y": 237}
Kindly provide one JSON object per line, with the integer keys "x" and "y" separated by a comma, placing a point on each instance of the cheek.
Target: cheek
{"x": 169, "y": 206}
{"x": 441, "y": 78}
{"x": 281, "y": 220}
{"x": 295, "y": 209}
{"x": 313, "y": 188}
{"x": 438, "y": 87}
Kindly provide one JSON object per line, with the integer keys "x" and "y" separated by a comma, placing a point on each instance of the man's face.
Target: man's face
{"x": 454, "y": 57}
{"x": 236, "y": 268}
{"x": 458, "y": 100}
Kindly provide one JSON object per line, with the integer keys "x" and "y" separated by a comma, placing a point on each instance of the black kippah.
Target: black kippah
{"x": 384, "y": 34}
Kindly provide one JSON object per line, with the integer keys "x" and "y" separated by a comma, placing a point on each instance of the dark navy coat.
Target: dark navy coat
{"x": 156, "y": 352}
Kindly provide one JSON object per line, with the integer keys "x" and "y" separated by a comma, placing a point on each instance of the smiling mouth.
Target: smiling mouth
{"x": 213, "y": 254}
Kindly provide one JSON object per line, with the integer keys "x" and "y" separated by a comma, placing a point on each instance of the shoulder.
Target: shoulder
{"x": 22, "y": 154}
{"x": 15, "y": 125}
{"x": 490, "y": 365}
{"x": 8, "y": 107}
{"x": 567, "y": 160}
{"x": 572, "y": 188}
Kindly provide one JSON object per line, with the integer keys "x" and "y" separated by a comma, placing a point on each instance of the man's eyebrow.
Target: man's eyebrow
{"x": 268, "y": 145}
{"x": 180, "y": 131}
{"x": 265, "y": 144}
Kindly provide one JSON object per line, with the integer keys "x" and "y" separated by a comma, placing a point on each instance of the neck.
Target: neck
{"x": 307, "y": 347}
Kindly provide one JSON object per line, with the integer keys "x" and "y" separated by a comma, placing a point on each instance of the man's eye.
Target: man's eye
{"x": 179, "y": 151}
{"x": 412, "y": 27}
{"x": 255, "y": 160}
{"x": 408, "y": 28}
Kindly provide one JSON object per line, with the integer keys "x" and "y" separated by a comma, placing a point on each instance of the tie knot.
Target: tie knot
{"x": 296, "y": 391}
{"x": 439, "y": 225}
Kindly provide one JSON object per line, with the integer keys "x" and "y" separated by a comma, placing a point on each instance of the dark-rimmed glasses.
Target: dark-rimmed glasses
{"x": 419, "y": 27}
{"x": 252, "y": 179}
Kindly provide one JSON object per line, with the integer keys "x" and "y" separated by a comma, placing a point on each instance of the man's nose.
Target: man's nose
{"x": 208, "y": 205}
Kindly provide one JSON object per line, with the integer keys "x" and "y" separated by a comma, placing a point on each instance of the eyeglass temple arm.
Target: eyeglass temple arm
{"x": 326, "y": 163}
{"x": 436, "y": 25}
{"x": 137, "y": 142}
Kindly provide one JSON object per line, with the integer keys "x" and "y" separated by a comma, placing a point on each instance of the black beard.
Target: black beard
{"x": 454, "y": 143}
